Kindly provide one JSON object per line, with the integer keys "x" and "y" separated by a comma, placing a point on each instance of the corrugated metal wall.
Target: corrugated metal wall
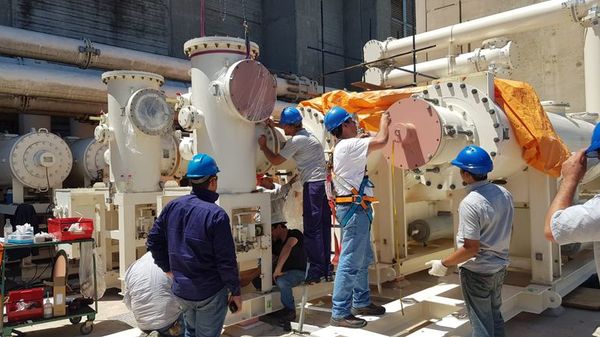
{"x": 398, "y": 20}
{"x": 141, "y": 25}
{"x": 225, "y": 17}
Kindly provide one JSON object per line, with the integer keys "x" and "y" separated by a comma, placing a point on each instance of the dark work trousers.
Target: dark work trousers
{"x": 317, "y": 228}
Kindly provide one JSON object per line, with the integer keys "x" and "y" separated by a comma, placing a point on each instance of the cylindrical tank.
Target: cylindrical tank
{"x": 232, "y": 93}
{"x": 39, "y": 159}
{"x": 430, "y": 128}
{"x": 429, "y": 229}
{"x": 88, "y": 160}
{"x": 138, "y": 115}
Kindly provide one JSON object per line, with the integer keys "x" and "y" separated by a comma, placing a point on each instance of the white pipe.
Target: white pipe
{"x": 591, "y": 57}
{"x": 61, "y": 82}
{"x": 21, "y": 42}
{"x": 511, "y": 22}
{"x": 496, "y": 59}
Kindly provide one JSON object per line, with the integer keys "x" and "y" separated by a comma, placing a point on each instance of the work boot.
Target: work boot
{"x": 348, "y": 322}
{"x": 287, "y": 314}
{"x": 370, "y": 310}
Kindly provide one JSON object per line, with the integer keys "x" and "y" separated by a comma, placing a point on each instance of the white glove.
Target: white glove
{"x": 437, "y": 268}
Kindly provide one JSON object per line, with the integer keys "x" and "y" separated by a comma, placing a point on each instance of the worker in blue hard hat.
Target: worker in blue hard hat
{"x": 309, "y": 155}
{"x": 568, "y": 223}
{"x": 483, "y": 238}
{"x": 351, "y": 294}
{"x": 191, "y": 241}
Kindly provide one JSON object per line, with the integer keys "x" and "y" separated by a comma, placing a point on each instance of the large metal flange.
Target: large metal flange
{"x": 149, "y": 112}
{"x": 40, "y": 160}
{"x": 219, "y": 44}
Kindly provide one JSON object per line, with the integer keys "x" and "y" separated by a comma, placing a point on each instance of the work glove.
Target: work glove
{"x": 437, "y": 268}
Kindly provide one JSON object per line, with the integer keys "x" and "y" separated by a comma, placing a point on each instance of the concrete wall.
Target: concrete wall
{"x": 550, "y": 59}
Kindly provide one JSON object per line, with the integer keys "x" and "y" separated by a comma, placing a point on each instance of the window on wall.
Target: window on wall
{"x": 402, "y": 17}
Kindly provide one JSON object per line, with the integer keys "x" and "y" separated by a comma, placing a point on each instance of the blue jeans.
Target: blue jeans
{"x": 205, "y": 318}
{"x": 286, "y": 282}
{"x": 351, "y": 287}
{"x": 316, "y": 217}
{"x": 483, "y": 298}
{"x": 171, "y": 330}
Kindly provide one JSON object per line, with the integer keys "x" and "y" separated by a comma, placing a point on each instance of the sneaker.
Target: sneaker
{"x": 370, "y": 310}
{"x": 348, "y": 322}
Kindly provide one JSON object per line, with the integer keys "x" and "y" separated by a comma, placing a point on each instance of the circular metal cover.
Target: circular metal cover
{"x": 23, "y": 163}
{"x": 415, "y": 133}
{"x": 149, "y": 112}
{"x": 94, "y": 158}
{"x": 169, "y": 156}
{"x": 262, "y": 163}
{"x": 252, "y": 90}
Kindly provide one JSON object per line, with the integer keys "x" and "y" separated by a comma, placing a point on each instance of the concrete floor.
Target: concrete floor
{"x": 114, "y": 319}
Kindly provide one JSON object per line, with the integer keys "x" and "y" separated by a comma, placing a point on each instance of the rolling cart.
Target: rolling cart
{"x": 87, "y": 312}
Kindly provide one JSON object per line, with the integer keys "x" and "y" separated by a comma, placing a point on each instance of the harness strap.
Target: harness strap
{"x": 359, "y": 201}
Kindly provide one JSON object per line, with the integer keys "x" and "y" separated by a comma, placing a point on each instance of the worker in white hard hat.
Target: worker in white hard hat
{"x": 483, "y": 238}
{"x": 309, "y": 155}
{"x": 567, "y": 223}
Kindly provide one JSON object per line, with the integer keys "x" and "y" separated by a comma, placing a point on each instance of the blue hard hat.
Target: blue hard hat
{"x": 202, "y": 165}
{"x": 592, "y": 150}
{"x": 290, "y": 116}
{"x": 335, "y": 117}
{"x": 474, "y": 160}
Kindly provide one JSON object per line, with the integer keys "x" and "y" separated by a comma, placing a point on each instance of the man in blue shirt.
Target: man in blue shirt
{"x": 483, "y": 239}
{"x": 191, "y": 241}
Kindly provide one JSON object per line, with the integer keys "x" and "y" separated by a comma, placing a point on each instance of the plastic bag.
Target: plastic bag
{"x": 86, "y": 272}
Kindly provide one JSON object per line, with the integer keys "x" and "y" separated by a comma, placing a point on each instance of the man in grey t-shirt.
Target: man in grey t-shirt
{"x": 309, "y": 155}
{"x": 485, "y": 225}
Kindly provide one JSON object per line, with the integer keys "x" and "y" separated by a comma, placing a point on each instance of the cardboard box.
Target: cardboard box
{"x": 60, "y": 297}
{"x": 59, "y": 283}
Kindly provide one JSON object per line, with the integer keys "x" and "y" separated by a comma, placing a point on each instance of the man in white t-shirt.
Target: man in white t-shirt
{"x": 351, "y": 295}
{"x": 309, "y": 155}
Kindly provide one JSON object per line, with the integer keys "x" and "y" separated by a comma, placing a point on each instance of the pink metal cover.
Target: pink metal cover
{"x": 415, "y": 133}
{"x": 253, "y": 90}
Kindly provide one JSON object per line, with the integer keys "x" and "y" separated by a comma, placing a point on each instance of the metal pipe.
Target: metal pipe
{"x": 511, "y": 22}
{"x": 49, "y": 106}
{"x": 60, "y": 82}
{"x": 496, "y": 59}
{"x": 86, "y": 54}
{"x": 29, "y": 44}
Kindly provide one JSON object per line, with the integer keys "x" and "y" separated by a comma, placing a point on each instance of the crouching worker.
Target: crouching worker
{"x": 148, "y": 295}
{"x": 290, "y": 267}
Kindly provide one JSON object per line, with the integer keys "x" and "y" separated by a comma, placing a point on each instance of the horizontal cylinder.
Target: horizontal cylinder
{"x": 510, "y": 22}
{"x": 478, "y": 60}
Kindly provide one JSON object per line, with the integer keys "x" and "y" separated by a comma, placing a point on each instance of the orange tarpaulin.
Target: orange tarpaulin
{"x": 368, "y": 105}
{"x": 542, "y": 148}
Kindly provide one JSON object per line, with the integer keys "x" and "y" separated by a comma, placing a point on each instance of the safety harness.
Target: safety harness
{"x": 358, "y": 198}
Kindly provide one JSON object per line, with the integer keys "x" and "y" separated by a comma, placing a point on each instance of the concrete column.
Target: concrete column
{"x": 27, "y": 122}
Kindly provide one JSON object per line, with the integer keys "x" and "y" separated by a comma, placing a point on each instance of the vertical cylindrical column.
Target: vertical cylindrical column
{"x": 27, "y": 122}
{"x": 134, "y": 155}
{"x": 591, "y": 55}
{"x": 232, "y": 93}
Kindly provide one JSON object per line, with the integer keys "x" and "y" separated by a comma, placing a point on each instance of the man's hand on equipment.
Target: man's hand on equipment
{"x": 385, "y": 120}
{"x": 437, "y": 268}
{"x": 262, "y": 141}
{"x": 574, "y": 167}
{"x": 237, "y": 300}
{"x": 270, "y": 122}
